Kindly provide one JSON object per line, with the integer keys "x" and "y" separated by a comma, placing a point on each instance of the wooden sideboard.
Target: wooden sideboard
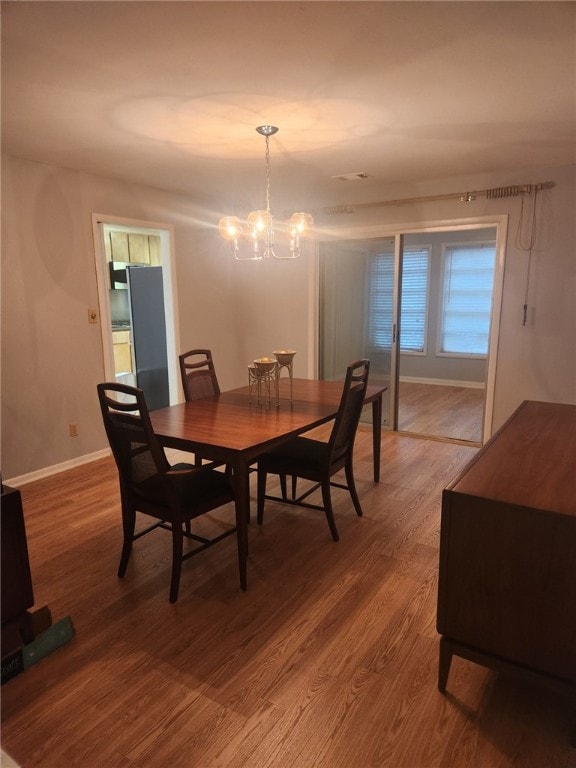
{"x": 507, "y": 571}
{"x": 17, "y": 591}
{"x": 20, "y": 623}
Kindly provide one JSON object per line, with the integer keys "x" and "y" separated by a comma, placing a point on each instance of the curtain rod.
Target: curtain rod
{"x": 464, "y": 197}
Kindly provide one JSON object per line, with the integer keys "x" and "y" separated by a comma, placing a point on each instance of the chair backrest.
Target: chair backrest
{"x": 350, "y": 409}
{"x": 136, "y": 449}
{"x": 198, "y": 374}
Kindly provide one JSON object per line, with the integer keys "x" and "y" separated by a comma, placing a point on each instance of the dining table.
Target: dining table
{"x": 234, "y": 428}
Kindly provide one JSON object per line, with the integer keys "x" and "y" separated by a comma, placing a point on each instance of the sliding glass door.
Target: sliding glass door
{"x": 423, "y": 307}
{"x": 357, "y": 310}
{"x": 448, "y": 279}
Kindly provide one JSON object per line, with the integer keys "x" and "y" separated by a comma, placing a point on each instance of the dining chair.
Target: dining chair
{"x": 316, "y": 460}
{"x": 198, "y": 374}
{"x": 172, "y": 494}
{"x": 199, "y": 379}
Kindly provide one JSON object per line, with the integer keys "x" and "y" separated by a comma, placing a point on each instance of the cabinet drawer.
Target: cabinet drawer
{"x": 122, "y": 347}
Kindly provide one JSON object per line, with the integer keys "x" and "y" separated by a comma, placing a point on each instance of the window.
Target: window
{"x": 415, "y": 275}
{"x": 467, "y": 279}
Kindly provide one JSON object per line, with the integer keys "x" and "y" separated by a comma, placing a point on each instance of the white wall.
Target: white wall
{"x": 52, "y": 358}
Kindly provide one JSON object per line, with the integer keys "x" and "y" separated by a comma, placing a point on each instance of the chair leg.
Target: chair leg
{"x": 177, "y": 539}
{"x": 128, "y": 525}
{"x": 352, "y": 488}
{"x": 294, "y": 484}
{"x": 283, "y": 485}
{"x": 261, "y": 491}
{"x": 327, "y": 499}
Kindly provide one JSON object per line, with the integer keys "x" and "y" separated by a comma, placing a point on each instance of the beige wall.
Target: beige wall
{"x": 52, "y": 357}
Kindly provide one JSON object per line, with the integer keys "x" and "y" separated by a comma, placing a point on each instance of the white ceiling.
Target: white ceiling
{"x": 169, "y": 93}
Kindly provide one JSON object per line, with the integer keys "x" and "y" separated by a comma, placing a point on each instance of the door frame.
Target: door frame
{"x": 360, "y": 232}
{"x": 166, "y": 234}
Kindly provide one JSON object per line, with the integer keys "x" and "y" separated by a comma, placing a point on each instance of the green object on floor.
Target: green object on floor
{"x": 46, "y": 642}
{"x": 43, "y": 644}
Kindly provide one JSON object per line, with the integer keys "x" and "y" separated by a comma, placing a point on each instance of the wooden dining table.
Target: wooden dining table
{"x": 232, "y": 428}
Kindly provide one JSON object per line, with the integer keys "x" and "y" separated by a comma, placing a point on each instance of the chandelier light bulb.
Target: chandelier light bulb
{"x": 230, "y": 227}
{"x": 259, "y": 221}
{"x": 300, "y": 222}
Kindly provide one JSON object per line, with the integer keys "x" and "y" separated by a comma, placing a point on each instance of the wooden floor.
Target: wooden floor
{"x": 441, "y": 411}
{"x": 329, "y": 660}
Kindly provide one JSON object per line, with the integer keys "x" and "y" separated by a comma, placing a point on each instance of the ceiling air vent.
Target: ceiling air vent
{"x": 351, "y": 176}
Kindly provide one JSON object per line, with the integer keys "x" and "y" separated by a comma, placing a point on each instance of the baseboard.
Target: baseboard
{"x": 443, "y": 382}
{"x": 55, "y": 469}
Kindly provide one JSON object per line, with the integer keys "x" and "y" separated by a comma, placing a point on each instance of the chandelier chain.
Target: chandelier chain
{"x": 268, "y": 173}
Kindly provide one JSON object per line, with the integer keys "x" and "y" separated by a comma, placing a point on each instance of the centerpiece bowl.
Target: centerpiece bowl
{"x": 284, "y": 356}
{"x": 265, "y": 364}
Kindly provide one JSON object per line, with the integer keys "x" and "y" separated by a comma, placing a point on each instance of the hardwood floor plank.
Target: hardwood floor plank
{"x": 329, "y": 660}
{"x": 441, "y": 411}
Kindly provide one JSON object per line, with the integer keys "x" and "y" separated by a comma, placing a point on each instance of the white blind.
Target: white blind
{"x": 414, "y": 300}
{"x": 468, "y": 277}
{"x": 381, "y": 293}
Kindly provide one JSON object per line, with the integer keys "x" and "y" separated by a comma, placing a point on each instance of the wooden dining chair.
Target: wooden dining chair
{"x": 198, "y": 374}
{"x": 172, "y": 494}
{"x": 318, "y": 461}
{"x": 198, "y": 377}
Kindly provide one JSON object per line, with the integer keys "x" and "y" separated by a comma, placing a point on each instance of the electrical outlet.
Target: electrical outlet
{"x": 92, "y": 315}
{"x": 73, "y": 429}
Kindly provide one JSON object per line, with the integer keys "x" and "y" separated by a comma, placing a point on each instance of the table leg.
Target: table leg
{"x": 376, "y": 435}
{"x": 240, "y": 477}
{"x": 444, "y": 663}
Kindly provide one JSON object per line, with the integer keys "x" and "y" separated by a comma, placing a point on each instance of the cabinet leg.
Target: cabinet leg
{"x": 445, "y": 659}
{"x": 573, "y": 723}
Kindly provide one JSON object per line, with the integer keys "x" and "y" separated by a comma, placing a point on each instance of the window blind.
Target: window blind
{"x": 414, "y": 300}
{"x": 468, "y": 277}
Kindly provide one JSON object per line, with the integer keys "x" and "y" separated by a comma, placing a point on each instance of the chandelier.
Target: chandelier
{"x": 255, "y": 236}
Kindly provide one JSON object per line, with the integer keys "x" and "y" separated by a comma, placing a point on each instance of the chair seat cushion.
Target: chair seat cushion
{"x": 195, "y": 488}
{"x": 300, "y": 456}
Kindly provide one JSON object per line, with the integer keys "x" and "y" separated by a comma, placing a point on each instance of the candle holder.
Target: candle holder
{"x": 252, "y": 382}
{"x": 262, "y": 377}
{"x": 284, "y": 358}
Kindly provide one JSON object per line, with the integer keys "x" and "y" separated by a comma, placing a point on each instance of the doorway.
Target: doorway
{"x": 384, "y": 298}
{"x": 350, "y": 281}
{"x": 122, "y": 247}
{"x": 446, "y": 299}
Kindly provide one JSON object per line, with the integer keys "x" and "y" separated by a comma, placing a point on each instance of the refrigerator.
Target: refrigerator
{"x": 148, "y": 326}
